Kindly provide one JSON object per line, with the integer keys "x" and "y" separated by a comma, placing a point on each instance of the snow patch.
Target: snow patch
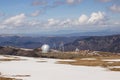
{"x": 51, "y": 71}
{"x": 88, "y": 59}
{"x": 111, "y": 60}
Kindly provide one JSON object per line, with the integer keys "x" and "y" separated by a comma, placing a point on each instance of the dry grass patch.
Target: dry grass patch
{"x": 65, "y": 55}
{"x": 97, "y": 62}
{"x": 9, "y": 56}
{"x": 8, "y": 59}
{"x": 84, "y": 62}
{"x": 114, "y": 69}
{"x": 109, "y": 63}
{"x": 4, "y": 78}
{"x": 109, "y": 57}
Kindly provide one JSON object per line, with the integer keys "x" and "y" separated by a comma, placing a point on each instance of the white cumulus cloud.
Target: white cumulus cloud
{"x": 15, "y": 20}
{"x": 83, "y": 19}
{"x": 96, "y": 17}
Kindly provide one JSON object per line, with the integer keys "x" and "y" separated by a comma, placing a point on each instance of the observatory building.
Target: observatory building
{"x": 45, "y": 48}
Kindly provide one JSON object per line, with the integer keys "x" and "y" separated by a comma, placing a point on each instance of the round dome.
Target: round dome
{"x": 45, "y": 48}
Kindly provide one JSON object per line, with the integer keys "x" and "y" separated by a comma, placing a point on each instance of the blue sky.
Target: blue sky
{"x": 65, "y": 16}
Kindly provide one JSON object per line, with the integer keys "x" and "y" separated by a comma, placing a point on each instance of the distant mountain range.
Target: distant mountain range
{"x": 110, "y": 43}
{"x": 97, "y": 43}
{"x": 34, "y": 42}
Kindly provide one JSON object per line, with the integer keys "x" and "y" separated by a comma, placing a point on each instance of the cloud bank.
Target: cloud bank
{"x": 21, "y": 21}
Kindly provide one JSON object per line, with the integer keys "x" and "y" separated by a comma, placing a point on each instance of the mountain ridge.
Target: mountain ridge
{"x": 109, "y": 43}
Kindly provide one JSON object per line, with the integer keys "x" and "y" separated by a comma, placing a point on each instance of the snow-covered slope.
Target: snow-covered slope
{"x": 47, "y": 69}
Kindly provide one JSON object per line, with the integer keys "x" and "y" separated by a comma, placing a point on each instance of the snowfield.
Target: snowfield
{"x": 116, "y": 60}
{"x": 47, "y": 69}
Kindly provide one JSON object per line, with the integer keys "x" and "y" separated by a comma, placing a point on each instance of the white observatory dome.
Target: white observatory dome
{"x": 45, "y": 48}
